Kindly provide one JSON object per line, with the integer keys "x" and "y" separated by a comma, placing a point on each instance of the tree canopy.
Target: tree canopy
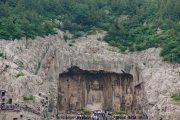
{"x": 30, "y": 18}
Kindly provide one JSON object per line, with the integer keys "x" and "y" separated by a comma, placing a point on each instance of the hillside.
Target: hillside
{"x": 65, "y": 56}
{"x": 149, "y": 23}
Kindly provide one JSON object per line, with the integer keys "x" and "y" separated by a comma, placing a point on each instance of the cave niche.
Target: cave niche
{"x": 95, "y": 90}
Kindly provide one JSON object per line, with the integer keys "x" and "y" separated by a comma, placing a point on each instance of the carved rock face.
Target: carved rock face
{"x": 96, "y": 90}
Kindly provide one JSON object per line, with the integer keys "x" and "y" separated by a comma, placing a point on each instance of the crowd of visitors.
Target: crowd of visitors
{"x": 73, "y": 117}
{"x": 96, "y": 115}
{"x": 121, "y": 117}
{"x": 131, "y": 117}
{"x": 100, "y": 115}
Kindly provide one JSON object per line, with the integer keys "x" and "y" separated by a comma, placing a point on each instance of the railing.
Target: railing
{"x": 7, "y": 106}
{"x": 130, "y": 117}
{"x": 3, "y": 106}
{"x": 16, "y": 107}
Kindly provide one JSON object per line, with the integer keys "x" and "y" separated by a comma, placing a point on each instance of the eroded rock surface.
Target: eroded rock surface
{"x": 42, "y": 61}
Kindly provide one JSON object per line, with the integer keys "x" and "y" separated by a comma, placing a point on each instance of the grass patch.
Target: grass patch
{"x": 98, "y": 38}
{"x": 28, "y": 98}
{"x": 39, "y": 64}
{"x": 112, "y": 50}
{"x": 70, "y": 45}
{"x": 87, "y": 112}
{"x": 123, "y": 52}
{"x": 65, "y": 37}
{"x": 92, "y": 32}
{"x": 120, "y": 112}
{"x": 162, "y": 108}
{"x": 73, "y": 41}
{"x": 20, "y": 74}
{"x": 1, "y": 54}
{"x": 77, "y": 35}
{"x": 21, "y": 65}
{"x": 176, "y": 97}
{"x": 94, "y": 61}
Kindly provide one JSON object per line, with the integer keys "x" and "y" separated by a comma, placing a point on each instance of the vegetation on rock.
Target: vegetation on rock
{"x": 65, "y": 37}
{"x": 1, "y": 54}
{"x": 86, "y": 112}
{"x": 21, "y": 65}
{"x": 20, "y": 74}
{"x": 70, "y": 44}
{"x": 120, "y": 112}
{"x": 176, "y": 97}
{"x": 28, "y": 98}
{"x": 140, "y": 30}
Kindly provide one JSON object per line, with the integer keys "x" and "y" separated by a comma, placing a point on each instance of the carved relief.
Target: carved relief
{"x": 96, "y": 90}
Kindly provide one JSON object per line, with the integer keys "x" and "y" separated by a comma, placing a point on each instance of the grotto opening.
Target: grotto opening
{"x": 98, "y": 90}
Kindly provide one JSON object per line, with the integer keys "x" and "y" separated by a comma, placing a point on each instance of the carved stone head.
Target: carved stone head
{"x": 95, "y": 85}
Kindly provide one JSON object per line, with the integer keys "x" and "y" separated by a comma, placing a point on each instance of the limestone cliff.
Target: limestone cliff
{"x": 44, "y": 60}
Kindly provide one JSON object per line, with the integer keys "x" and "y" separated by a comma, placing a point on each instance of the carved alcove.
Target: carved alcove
{"x": 94, "y": 90}
{"x": 3, "y": 93}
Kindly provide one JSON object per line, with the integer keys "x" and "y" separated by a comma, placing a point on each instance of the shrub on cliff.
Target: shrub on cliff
{"x": 28, "y": 98}
{"x": 87, "y": 112}
{"x": 20, "y": 74}
{"x": 176, "y": 97}
{"x": 120, "y": 112}
{"x": 1, "y": 54}
{"x": 65, "y": 37}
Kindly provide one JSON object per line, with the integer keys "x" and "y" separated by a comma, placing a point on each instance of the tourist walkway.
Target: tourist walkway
{"x": 101, "y": 117}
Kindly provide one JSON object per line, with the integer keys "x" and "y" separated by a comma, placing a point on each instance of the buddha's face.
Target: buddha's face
{"x": 96, "y": 85}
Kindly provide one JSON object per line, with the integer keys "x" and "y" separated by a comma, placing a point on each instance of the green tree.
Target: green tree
{"x": 81, "y": 13}
{"x": 4, "y": 9}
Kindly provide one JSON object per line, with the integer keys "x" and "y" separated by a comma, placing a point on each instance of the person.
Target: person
{"x": 103, "y": 115}
{"x": 95, "y": 117}
{"x": 66, "y": 116}
{"x": 57, "y": 116}
{"x": 126, "y": 117}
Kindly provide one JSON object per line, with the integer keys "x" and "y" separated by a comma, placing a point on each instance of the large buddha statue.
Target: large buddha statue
{"x": 95, "y": 97}
{"x": 73, "y": 100}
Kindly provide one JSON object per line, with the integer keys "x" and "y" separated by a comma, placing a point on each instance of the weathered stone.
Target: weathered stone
{"x": 43, "y": 59}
